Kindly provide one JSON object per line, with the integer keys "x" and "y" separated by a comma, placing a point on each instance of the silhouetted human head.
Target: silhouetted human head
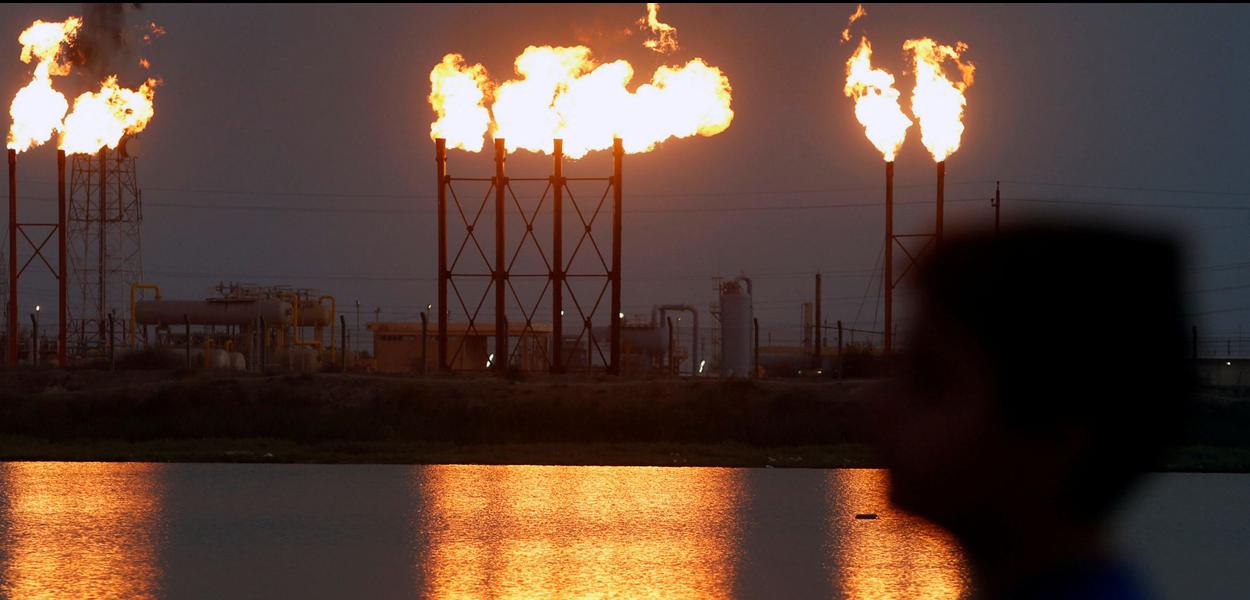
{"x": 1043, "y": 375}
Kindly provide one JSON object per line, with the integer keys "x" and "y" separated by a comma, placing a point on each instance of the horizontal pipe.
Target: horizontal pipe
{"x": 203, "y": 312}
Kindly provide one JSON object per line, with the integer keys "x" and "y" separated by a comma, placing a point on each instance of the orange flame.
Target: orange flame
{"x": 37, "y": 109}
{"x": 98, "y": 119}
{"x": 859, "y": 13}
{"x": 876, "y": 102}
{"x": 666, "y": 35}
{"x": 457, "y": 93}
{"x": 937, "y": 102}
{"x": 562, "y": 93}
{"x": 154, "y": 31}
{"x": 101, "y": 118}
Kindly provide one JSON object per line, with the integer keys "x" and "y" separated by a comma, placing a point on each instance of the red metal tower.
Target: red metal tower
{"x": 557, "y": 272}
{"x": 24, "y": 230}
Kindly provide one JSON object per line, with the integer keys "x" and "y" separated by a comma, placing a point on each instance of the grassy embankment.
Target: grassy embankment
{"x": 185, "y": 416}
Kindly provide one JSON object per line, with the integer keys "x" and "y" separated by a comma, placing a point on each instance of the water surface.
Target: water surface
{"x": 131, "y": 530}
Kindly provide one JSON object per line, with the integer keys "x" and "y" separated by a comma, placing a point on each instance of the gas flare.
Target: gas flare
{"x": 457, "y": 93}
{"x": 876, "y": 102}
{"x": 100, "y": 119}
{"x": 563, "y": 93}
{"x": 97, "y": 120}
{"x": 665, "y": 40}
{"x": 937, "y": 102}
{"x": 37, "y": 109}
{"x": 859, "y": 13}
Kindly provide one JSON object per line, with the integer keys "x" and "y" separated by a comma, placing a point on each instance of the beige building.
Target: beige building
{"x": 398, "y": 348}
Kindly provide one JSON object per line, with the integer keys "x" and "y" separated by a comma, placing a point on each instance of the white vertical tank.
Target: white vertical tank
{"x": 736, "y": 329}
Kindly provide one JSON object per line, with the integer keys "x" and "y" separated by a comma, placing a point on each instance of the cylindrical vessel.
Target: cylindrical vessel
{"x": 202, "y": 312}
{"x": 315, "y": 314}
{"x": 735, "y": 330}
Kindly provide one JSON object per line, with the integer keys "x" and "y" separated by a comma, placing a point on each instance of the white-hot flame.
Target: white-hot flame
{"x": 458, "y": 93}
{"x": 562, "y": 93}
{"x": 876, "y": 102}
{"x": 665, "y": 35}
{"x": 37, "y": 109}
{"x": 937, "y": 102}
{"x": 100, "y": 119}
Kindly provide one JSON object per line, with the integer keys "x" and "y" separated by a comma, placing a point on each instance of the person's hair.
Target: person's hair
{"x": 1082, "y": 329}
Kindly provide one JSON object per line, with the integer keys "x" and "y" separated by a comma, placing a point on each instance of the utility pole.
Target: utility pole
{"x": 840, "y": 364}
{"x": 817, "y": 335}
{"x": 425, "y": 330}
{"x": 997, "y": 203}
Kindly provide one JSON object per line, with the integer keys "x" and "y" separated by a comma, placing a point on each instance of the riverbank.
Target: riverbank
{"x": 329, "y": 418}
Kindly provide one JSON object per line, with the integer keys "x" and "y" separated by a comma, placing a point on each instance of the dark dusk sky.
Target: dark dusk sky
{"x": 290, "y": 144}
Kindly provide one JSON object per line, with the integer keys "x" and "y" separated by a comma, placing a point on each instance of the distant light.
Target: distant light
{"x": 1229, "y": 363}
{"x": 561, "y": 312}
{"x": 490, "y": 359}
{"x": 36, "y": 308}
{"x": 621, "y": 315}
{"x": 429, "y": 307}
{"x": 702, "y": 363}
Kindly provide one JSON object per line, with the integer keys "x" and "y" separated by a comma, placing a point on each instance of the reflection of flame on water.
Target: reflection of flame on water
{"x": 893, "y": 556}
{"x": 80, "y": 530}
{"x": 529, "y": 532}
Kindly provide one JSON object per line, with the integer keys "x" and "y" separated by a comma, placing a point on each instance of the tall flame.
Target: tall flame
{"x": 37, "y": 109}
{"x": 876, "y": 102}
{"x": 101, "y": 118}
{"x": 665, "y": 40}
{"x": 457, "y": 93}
{"x": 562, "y": 93}
{"x": 937, "y": 102}
{"x": 98, "y": 119}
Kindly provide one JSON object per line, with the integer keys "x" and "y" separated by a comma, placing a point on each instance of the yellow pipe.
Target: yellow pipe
{"x": 333, "y": 320}
{"x": 133, "y": 288}
{"x": 294, "y": 300}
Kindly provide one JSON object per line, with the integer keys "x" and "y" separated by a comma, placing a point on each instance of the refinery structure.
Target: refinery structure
{"x": 529, "y": 264}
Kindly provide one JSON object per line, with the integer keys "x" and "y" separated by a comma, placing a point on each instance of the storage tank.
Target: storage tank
{"x": 314, "y": 315}
{"x": 736, "y": 328}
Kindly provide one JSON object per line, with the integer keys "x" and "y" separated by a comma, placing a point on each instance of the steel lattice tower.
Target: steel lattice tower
{"x": 104, "y": 216}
